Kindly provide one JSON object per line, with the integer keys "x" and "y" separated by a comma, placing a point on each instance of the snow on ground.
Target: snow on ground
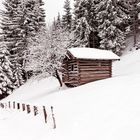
{"x": 129, "y": 64}
{"x": 35, "y": 89}
{"x": 104, "y": 110}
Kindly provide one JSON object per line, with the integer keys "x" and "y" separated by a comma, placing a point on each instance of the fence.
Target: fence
{"x": 29, "y": 109}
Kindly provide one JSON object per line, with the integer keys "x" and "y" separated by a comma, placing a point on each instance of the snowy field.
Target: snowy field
{"x": 104, "y": 110}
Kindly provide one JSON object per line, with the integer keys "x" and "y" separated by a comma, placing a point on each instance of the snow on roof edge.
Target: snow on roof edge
{"x": 93, "y": 53}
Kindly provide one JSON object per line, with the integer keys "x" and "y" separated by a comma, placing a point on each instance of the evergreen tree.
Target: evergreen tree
{"x": 110, "y": 18}
{"x": 134, "y": 10}
{"x": 12, "y": 33}
{"x": 67, "y": 17}
{"x": 85, "y": 24}
{"x": 6, "y": 74}
{"x": 22, "y": 20}
{"x": 58, "y": 23}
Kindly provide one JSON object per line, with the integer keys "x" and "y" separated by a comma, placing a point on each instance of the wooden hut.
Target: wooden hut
{"x": 83, "y": 65}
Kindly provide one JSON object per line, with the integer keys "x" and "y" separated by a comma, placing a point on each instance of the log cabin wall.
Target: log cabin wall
{"x": 82, "y": 71}
{"x": 92, "y": 70}
{"x": 71, "y": 75}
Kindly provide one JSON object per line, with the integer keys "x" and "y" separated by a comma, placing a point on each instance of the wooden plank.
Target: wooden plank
{"x": 73, "y": 72}
{"x": 94, "y": 74}
{"x": 87, "y": 81}
{"x": 88, "y": 64}
{"x": 89, "y": 60}
{"x": 93, "y": 77}
{"x": 94, "y": 70}
{"x": 111, "y": 69}
{"x": 94, "y": 67}
{"x": 72, "y": 63}
{"x": 94, "y": 61}
{"x": 75, "y": 69}
{"x": 70, "y": 66}
{"x": 79, "y": 72}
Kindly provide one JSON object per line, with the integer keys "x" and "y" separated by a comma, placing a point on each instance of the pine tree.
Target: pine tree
{"x": 134, "y": 10}
{"x": 110, "y": 18}
{"x": 6, "y": 73}
{"x": 67, "y": 17}
{"x": 22, "y": 20}
{"x": 58, "y": 23}
{"x": 12, "y": 33}
{"x": 85, "y": 24}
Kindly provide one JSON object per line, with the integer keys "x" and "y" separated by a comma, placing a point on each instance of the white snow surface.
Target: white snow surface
{"x": 92, "y": 53}
{"x": 103, "y": 110}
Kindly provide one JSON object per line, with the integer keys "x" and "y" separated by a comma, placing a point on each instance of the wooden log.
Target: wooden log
{"x": 73, "y": 72}
{"x": 2, "y": 105}
{"x": 93, "y": 61}
{"x": 92, "y": 75}
{"x": 45, "y": 114}
{"x": 35, "y": 110}
{"x": 94, "y": 69}
{"x": 18, "y": 105}
{"x": 9, "y": 104}
{"x": 23, "y": 107}
{"x": 54, "y": 122}
{"x": 28, "y": 109}
{"x": 90, "y": 80}
{"x": 14, "y": 105}
{"x": 74, "y": 65}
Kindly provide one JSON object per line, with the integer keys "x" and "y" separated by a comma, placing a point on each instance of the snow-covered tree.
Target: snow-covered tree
{"x": 67, "y": 17}
{"x": 12, "y": 36}
{"x": 134, "y": 10}
{"x": 110, "y": 18}
{"x": 46, "y": 59}
{"x": 58, "y": 23}
{"x": 21, "y": 21}
{"x": 6, "y": 74}
{"x": 85, "y": 24}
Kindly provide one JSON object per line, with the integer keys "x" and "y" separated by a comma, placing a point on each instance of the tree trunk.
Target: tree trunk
{"x": 58, "y": 77}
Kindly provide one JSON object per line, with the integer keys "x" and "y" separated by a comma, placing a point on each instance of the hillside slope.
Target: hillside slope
{"x": 107, "y": 109}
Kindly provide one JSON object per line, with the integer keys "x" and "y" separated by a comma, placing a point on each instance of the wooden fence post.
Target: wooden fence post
{"x": 14, "y": 105}
{"x": 9, "y": 104}
{"x": 45, "y": 114}
{"x": 2, "y": 105}
{"x": 23, "y": 107}
{"x": 5, "y": 105}
{"x": 35, "y": 110}
{"x": 18, "y": 105}
{"x": 54, "y": 123}
{"x": 28, "y": 108}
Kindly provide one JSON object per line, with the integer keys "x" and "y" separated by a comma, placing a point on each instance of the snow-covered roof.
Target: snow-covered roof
{"x": 92, "y": 53}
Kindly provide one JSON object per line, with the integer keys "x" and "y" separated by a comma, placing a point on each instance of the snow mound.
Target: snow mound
{"x": 128, "y": 65}
{"x": 34, "y": 89}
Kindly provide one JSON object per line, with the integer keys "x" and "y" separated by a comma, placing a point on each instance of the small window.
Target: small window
{"x": 72, "y": 67}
